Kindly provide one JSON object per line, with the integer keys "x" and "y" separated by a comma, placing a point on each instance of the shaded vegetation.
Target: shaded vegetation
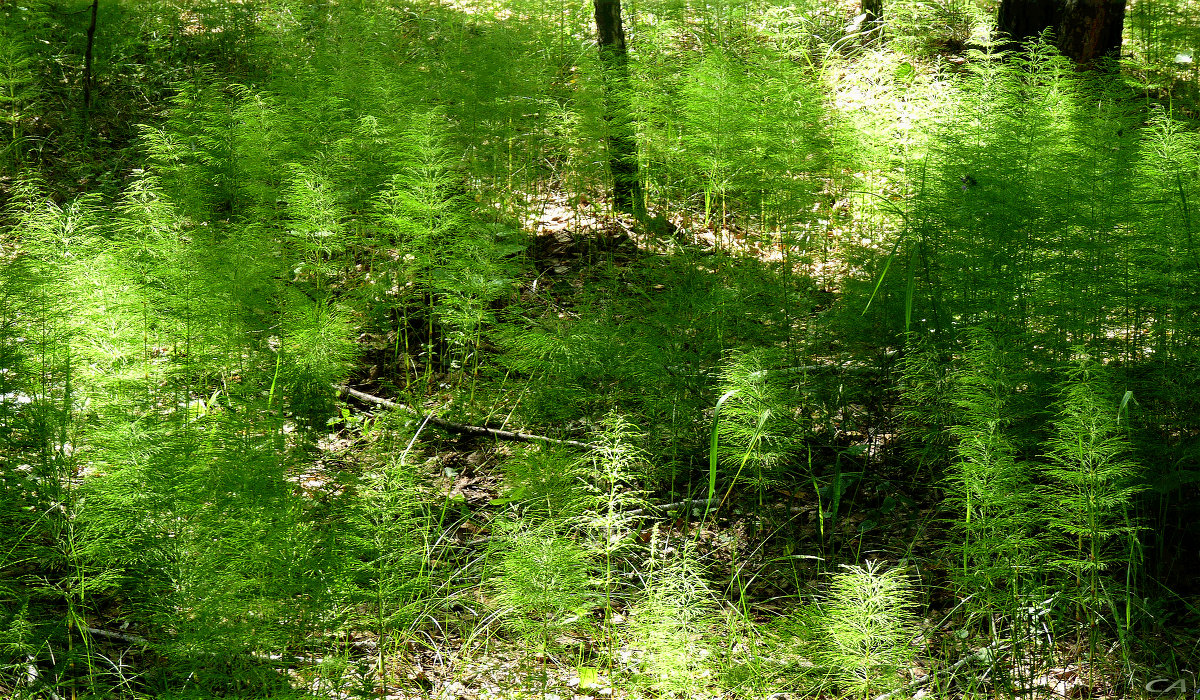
{"x": 889, "y": 383}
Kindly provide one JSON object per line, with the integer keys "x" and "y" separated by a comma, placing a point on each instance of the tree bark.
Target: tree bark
{"x": 1085, "y": 31}
{"x": 87, "y": 64}
{"x": 1090, "y": 30}
{"x": 873, "y": 9}
{"x": 622, "y": 146}
{"x": 1022, "y": 20}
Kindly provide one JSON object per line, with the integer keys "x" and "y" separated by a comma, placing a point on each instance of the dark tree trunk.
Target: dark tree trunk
{"x": 1090, "y": 30}
{"x": 622, "y": 146}
{"x": 610, "y": 31}
{"x": 1022, "y": 20}
{"x": 87, "y": 63}
{"x": 873, "y": 9}
{"x": 1084, "y": 30}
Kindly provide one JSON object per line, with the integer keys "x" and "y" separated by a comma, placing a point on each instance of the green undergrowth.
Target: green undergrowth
{"x": 892, "y": 388}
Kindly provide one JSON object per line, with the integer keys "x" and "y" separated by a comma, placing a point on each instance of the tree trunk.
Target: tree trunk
{"x": 87, "y": 65}
{"x": 1090, "y": 30}
{"x": 622, "y": 146}
{"x": 1084, "y": 30}
{"x": 1022, "y": 20}
{"x": 873, "y": 9}
{"x": 610, "y": 31}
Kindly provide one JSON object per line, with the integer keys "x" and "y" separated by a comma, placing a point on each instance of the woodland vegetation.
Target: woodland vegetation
{"x": 330, "y": 366}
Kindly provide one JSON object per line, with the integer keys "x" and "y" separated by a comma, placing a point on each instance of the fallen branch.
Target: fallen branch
{"x": 118, "y": 636}
{"x": 666, "y": 507}
{"x": 461, "y": 428}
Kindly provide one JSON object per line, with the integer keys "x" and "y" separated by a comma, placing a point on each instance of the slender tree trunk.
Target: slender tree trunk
{"x": 622, "y": 146}
{"x": 87, "y": 64}
{"x": 873, "y": 9}
{"x": 872, "y": 24}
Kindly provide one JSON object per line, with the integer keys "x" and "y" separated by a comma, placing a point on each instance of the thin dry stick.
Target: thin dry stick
{"x": 460, "y": 428}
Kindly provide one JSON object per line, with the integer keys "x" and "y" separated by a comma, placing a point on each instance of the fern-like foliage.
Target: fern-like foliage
{"x": 222, "y": 151}
{"x": 316, "y": 225}
{"x": 480, "y": 272}
{"x": 757, "y": 425}
{"x": 394, "y": 528}
{"x": 869, "y": 627}
{"x": 38, "y": 435}
{"x": 614, "y": 474}
{"x": 670, "y": 623}
{"x": 544, "y": 486}
{"x": 988, "y": 485}
{"x": 317, "y": 349}
{"x": 445, "y": 269}
{"x": 1019, "y": 212}
{"x": 926, "y": 408}
{"x": 927, "y": 25}
{"x": 542, "y": 584}
{"x": 735, "y": 134}
{"x": 19, "y": 94}
{"x": 1167, "y": 176}
{"x": 1092, "y": 482}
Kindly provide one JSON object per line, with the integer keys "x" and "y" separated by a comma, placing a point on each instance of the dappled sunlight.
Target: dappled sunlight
{"x": 437, "y": 348}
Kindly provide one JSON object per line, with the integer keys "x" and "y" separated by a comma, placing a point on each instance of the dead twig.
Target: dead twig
{"x": 461, "y": 428}
{"x": 665, "y": 507}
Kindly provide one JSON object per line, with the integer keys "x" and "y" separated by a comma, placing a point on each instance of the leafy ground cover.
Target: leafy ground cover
{"x": 328, "y": 370}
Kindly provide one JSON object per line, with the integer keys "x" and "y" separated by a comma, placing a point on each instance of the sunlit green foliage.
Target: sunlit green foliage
{"x": 269, "y": 201}
{"x": 990, "y": 487}
{"x": 542, "y": 585}
{"x": 869, "y": 627}
{"x": 757, "y": 426}
{"x": 671, "y": 623}
{"x": 1092, "y": 483}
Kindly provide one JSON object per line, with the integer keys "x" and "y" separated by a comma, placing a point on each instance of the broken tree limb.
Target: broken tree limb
{"x": 461, "y": 428}
{"x": 117, "y": 636}
{"x": 666, "y": 507}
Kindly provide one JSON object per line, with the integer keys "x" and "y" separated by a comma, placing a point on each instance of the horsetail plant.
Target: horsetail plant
{"x": 1091, "y": 485}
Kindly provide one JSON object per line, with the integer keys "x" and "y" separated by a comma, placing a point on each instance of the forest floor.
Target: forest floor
{"x": 771, "y": 553}
{"x": 324, "y": 384}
